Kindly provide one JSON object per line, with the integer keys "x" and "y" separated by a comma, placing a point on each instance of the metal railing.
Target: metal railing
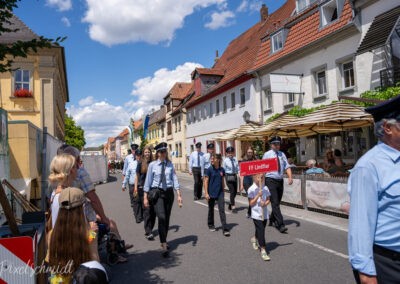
{"x": 390, "y": 76}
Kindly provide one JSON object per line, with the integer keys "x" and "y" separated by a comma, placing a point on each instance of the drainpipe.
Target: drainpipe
{"x": 261, "y": 101}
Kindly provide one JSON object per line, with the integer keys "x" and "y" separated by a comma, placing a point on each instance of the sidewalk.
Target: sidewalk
{"x": 301, "y": 214}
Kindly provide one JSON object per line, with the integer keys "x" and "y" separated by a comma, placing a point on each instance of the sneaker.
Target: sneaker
{"x": 264, "y": 255}
{"x": 211, "y": 228}
{"x": 254, "y": 243}
{"x": 149, "y": 237}
{"x": 226, "y": 233}
{"x": 282, "y": 229}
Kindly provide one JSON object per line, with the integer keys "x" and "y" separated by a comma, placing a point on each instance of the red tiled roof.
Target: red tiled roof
{"x": 189, "y": 96}
{"x": 301, "y": 34}
{"x": 180, "y": 90}
{"x": 241, "y": 53}
{"x": 209, "y": 71}
{"x": 137, "y": 124}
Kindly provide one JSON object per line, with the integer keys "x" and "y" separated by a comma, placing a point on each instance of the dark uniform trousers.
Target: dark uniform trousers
{"x": 260, "y": 231}
{"x": 198, "y": 182}
{"x": 246, "y": 188}
{"x": 149, "y": 218}
{"x": 221, "y": 209}
{"x": 275, "y": 187}
{"x": 137, "y": 203}
{"x": 387, "y": 265}
{"x": 232, "y": 186}
{"x": 163, "y": 209}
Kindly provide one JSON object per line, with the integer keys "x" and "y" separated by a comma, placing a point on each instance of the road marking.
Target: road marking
{"x": 206, "y": 205}
{"x": 323, "y": 248}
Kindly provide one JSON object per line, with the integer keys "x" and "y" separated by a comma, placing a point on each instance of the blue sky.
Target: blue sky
{"x": 124, "y": 55}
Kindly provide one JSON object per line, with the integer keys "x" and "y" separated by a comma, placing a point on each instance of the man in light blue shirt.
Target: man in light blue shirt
{"x": 196, "y": 168}
{"x": 207, "y": 156}
{"x": 274, "y": 182}
{"x": 374, "y": 188}
{"x": 130, "y": 158}
{"x": 231, "y": 167}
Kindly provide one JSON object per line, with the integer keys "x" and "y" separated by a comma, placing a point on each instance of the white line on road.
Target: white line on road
{"x": 206, "y": 205}
{"x": 323, "y": 248}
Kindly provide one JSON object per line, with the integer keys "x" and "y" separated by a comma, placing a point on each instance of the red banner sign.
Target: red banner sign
{"x": 258, "y": 167}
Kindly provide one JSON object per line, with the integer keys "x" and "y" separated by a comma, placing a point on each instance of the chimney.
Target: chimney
{"x": 264, "y": 12}
{"x": 216, "y": 56}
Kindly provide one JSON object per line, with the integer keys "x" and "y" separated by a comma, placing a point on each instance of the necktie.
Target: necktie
{"x": 233, "y": 166}
{"x": 279, "y": 163}
{"x": 163, "y": 181}
{"x": 198, "y": 159}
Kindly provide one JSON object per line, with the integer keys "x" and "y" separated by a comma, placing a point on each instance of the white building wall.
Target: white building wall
{"x": 206, "y": 127}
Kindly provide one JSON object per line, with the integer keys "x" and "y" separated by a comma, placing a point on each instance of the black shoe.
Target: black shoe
{"x": 226, "y": 233}
{"x": 271, "y": 223}
{"x": 211, "y": 228}
{"x": 283, "y": 229}
{"x": 149, "y": 237}
{"x": 229, "y": 207}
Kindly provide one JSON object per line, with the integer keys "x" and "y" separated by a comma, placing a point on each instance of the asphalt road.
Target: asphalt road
{"x": 313, "y": 251}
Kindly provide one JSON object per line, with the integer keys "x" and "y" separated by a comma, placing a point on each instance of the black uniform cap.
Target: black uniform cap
{"x": 389, "y": 109}
{"x": 275, "y": 139}
{"x": 198, "y": 145}
{"x": 134, "y": 146}
{"x": 161, "y": 147}
{"x": 230, "y": 149}
{"x": 138, "y": 152}
{"x": 210, "y": 146}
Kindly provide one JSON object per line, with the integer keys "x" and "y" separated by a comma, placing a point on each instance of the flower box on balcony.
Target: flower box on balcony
{"x": 23, "y": 93}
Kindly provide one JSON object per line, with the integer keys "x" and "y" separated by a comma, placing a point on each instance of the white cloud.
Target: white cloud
{"x": 148, "y": 94}
{"x": 150, "y": 91}
{"x": 220, "y": 20}
{"x": 61, "y": 5}
{"x": 97, "y": 126}
{"x": 66, "y": 22}
{"x": 150, "y": 21}
{"x": 249, "y": 6}
{"x": 86, "y": 101}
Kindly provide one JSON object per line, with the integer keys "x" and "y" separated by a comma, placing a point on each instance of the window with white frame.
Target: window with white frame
{"x": 302, "y": 4}
{"x": 242, "y": 97}
{"x": 267, "y": 99}
{"x": 176, "y": 125}
{"x": 198, "y": 113}
{"x": 180, "y": 150}
{"x": 347, "y": 75}
{"x": 22, "y": 83}
{"x": 211, "y": 112}
{"x": 277, "y": 41}
{"x": 180, "y": 122}
{"x": 224, "y": 106}
{"x": 204, "y": 112}
{"x": 320, "y": 78}
{"x": 217, "y": 107}
{"x": 329, "y": 12}
{"x": 289, "y": 99}
{"x": 233, "y": 101}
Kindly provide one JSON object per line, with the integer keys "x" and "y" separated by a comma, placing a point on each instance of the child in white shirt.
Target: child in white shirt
{"x": 258, "y": 200}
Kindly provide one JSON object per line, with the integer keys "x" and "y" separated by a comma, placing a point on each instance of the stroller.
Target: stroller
{"x": 109, "y": 245}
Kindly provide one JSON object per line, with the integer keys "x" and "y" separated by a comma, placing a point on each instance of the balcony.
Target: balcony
{"x": 390, "y": 77}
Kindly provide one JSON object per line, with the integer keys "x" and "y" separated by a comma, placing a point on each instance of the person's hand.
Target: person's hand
{"x": 180, "y": 201}
{"x": 93, "y": 226}
{"x": 207, "y": 197}
{"x": 135, "y": 193}
{"x": 190, "y": 173}
{"x": 290, "y": 181}
{"x": 145, "y": 202}
{"x": 368, "y": 279}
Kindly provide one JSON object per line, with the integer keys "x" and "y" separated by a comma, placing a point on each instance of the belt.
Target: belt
{"x": 231, "y": 174}
{"x": 393, "y": 255}
{"x": 161, "y": 189}
{"x": 274, "y": 179}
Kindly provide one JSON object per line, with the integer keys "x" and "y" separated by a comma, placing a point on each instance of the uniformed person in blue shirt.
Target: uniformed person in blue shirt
{"x": 374, "y": 187}
{"x": 274, "y": 182}
{"x": 161, "y": 178}
{"x": 207, "y": 156}
{"x": 231, "y": 167}
{"x": 129, "y": 158}
{"x": 196, "y": 168}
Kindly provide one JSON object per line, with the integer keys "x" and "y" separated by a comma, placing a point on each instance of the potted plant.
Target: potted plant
{"x": 23, "y": 93}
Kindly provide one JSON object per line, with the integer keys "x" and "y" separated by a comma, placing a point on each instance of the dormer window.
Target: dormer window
{"x": 277, "y": 41}
{"x": 331, "y": 11}
{"x": 303, "y": 4}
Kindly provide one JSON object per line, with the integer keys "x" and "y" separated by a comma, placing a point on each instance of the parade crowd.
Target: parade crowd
{"x": 77, "y": 220}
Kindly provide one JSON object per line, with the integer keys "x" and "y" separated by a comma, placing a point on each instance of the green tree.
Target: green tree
{"x": 74, "y": 134}
{"x": 18, "y": 48}
{"x": 143, "y": 142}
